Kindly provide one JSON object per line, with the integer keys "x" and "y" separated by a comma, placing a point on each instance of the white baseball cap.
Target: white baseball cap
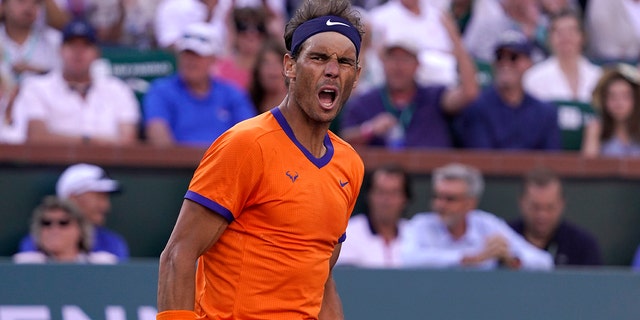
{"x": 201, "y": 38}
{"x": 81, "y": 178}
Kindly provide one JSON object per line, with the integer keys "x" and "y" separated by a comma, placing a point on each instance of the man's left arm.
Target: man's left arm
{"x": 331, "y": 305}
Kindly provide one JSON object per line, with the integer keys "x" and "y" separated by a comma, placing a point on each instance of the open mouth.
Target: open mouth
{"x": 327, "y": 97}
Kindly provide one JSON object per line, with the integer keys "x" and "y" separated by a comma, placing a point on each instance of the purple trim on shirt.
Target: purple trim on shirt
{"x": 342, "y": 238}
{"x": 209, "y": 204}
{"x": 319, "y": 162}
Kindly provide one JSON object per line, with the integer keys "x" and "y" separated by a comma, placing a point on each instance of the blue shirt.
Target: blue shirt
{"x": 103, "y": 240}
{"x": 425, "y": 125}
{"x": 489, "y": 123}
{"x": 196, "y": 120}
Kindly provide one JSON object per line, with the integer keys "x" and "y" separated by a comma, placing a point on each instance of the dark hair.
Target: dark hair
{"x": 566, "y": 13}
{"x": 311, "y": 9}
{"x": 245, "y": 17}
{"x": 610, "y": 75}
{"x": 541, "y": 176}
{"x": 256, "y": 89}
{"x": 394, "y": 169}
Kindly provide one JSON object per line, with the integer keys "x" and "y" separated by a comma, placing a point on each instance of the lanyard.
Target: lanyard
{"x": 404, "y": 115}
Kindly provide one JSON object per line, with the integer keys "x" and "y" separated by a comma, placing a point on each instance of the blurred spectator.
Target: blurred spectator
{"x": 61, "y": 234}
{"x": 268, "y": 88}
{"x": 275, "y": 10}
{"x": 412, "y": 20}
{"x": 505, "y": 116}
{"x": 461, "y": 10}
{"x": 89, "y": 187}
{"x": 456, "y": 233}
{"x": 374, "y": 238}
{"x": 137, "y": 27}
{"x": 172, "y": 16}
{"x": 567, "y": 74}
{"x": 542, "y": 205}
{"x": 10, "y": 131}
{"x": 613, "y": 27}
{"x": 492, "y": 18}
{"x": 54, "y": 15}
{"x": 106, "y": 16}
{"x": 403, "y": 113}
{"x": 635, "y": 264}
{"x": 617, "y": 98}
{"x": 250, "y": 33}
{"x": 72, "y": 106}
{"x": 27, "y": 49}
{"x": 566, "y": 78}
{"x": 191, "y": 107}
{"x": 371, "y": 74}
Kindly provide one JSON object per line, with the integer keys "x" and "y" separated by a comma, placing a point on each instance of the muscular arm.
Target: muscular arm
{"x": 331, "y": 305}
{"x": 195, "y": 231}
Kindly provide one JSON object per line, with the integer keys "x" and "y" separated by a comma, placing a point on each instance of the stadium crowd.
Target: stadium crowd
{"x": 554, "y": 75}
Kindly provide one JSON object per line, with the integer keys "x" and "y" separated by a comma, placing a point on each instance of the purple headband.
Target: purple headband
{"x": 325, "y": 24}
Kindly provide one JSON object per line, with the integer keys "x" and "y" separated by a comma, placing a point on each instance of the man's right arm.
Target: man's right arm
{"x": 196, "y": 230}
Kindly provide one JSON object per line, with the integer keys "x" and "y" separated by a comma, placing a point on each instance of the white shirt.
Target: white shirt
{"x": 546, "y": 81}
{"x": 37, "y": 257}
{"x": 172, "y": 16}
{"x": 392, "y": 21}
{"x": 429, "y": 243}
{"x": 40, "y": 50}
{"x": 108, "y": 104}
{"x": 362, "y": 248}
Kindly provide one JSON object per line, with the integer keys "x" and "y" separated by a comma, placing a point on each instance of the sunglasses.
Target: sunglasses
{"x": 447, "y": 197}
{"x": 244, "y": 27}
{"x": 510, "y": 56}
{"x": 50, "y": 223}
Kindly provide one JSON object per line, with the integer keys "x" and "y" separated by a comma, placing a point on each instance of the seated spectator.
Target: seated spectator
{"x": 173, "y": 16}
{"x": 191, "y": 107}
{"x": 566, "y": 75}
{"x": 492, "y": 18}
{"x": 403, "y": 113}
{"x": 250, "y": 33}
{"x": 613, "y": 27}
{"x": 61, "y": 234}
{"x": 105, "y": 16}
{"x": 566, "y": 78}
{"x": 505, "y": 116}
{"x": 415, "y": 19}
{"x": 26, "y": 48}
{"x": 616, "y": 133}
{"x": 268, "y": 88}
{"x": 89, "y": 187}
{"x": 10, "y": 131}
{"x": 374, "y": 238}
{"x": 542, "y": 205}
{"x": 71, "y": 105}
{"x": 457, "y": 234}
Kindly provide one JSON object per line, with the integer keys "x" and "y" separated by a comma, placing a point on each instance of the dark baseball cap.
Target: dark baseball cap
{"x": 514, "y": 41}
{"x": 79, "y": 29}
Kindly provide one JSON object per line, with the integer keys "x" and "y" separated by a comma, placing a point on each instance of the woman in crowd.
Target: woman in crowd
{"x": 267, "y": 87}
{"x": 617, "y": 131}
{"x": 62, "y": 235}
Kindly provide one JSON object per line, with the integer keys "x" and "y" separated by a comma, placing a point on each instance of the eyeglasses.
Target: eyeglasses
{"x": 244, "y": 27}
{"x": 510, "y": 56}
{"x": 50, "y": 223}
{"x": 448, "y": 197}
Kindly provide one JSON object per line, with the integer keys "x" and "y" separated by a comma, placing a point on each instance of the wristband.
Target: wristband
{"x": 176, "y": 315}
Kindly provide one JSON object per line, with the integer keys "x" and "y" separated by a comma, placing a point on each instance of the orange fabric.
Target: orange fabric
{"x": 176, "y": 315}
{"x": 289, "y": 210}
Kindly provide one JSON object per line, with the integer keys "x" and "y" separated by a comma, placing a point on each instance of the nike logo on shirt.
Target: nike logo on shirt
{"x": 342, "y": 184}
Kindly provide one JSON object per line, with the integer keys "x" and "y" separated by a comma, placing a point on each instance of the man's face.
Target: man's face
{"x": 509, "y": 67}
{"x": 400, "y": 67}
{"x": 193, "y": 68}
{"x": 451, "y": 201}
{"x": 21, "y": 13}
{"x": 77, "y": 56}
{"x": 387, "y": 198}
{"x": 323, "y": 75}
{"x": 93, "y": 205}
{"x": 541, "y": 208}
